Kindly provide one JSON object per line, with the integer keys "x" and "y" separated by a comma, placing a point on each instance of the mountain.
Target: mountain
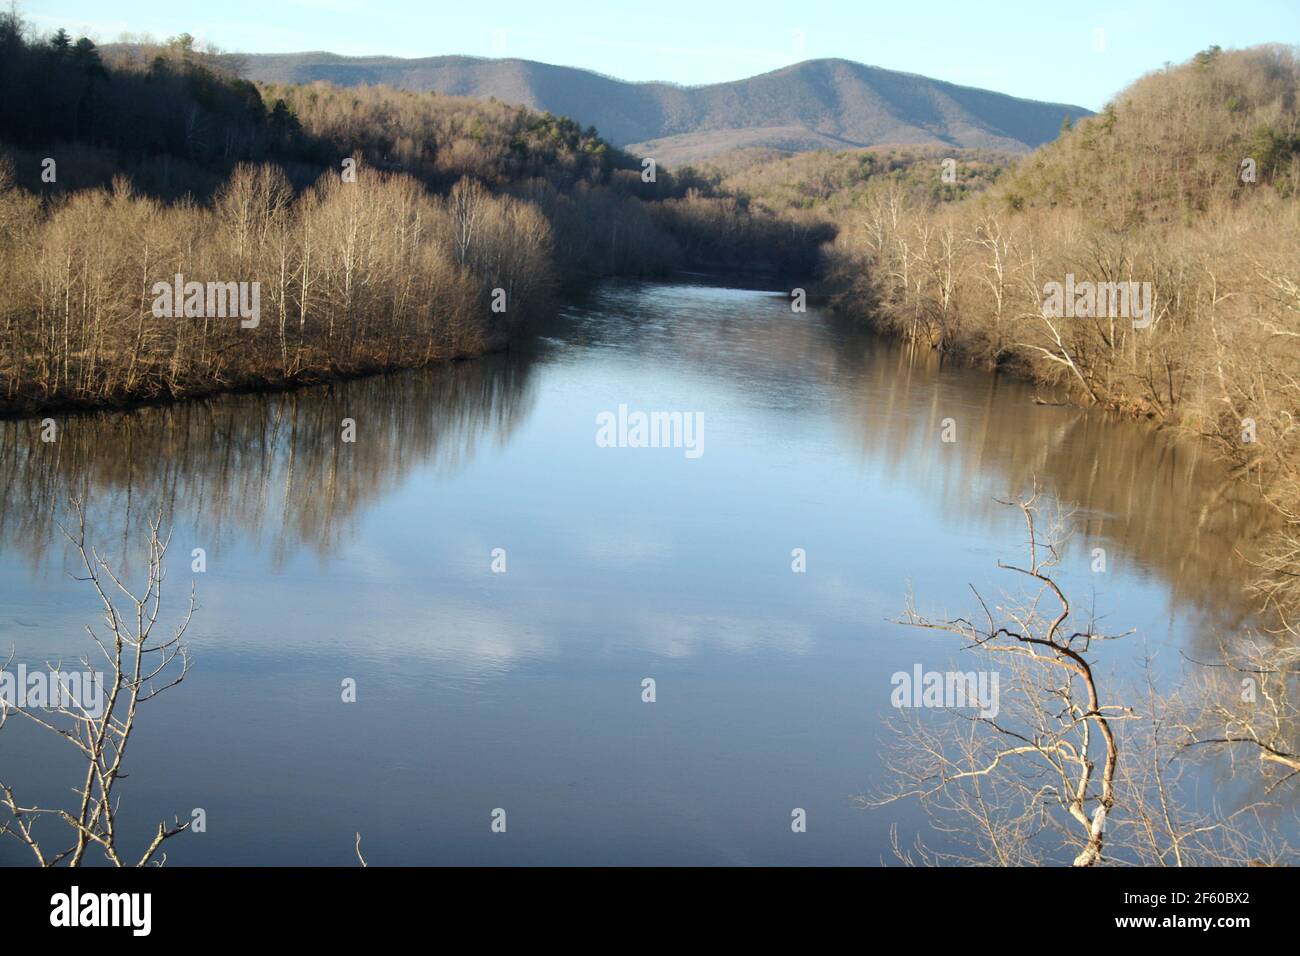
{"x": 817, "y": 104}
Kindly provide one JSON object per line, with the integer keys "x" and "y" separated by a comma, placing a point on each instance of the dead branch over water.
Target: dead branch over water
{"x": 135, "y": 666}
{"x": 1066, "y": 771}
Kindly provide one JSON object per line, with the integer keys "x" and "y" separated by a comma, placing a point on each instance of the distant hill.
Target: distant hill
{"x": 818, "y": 104}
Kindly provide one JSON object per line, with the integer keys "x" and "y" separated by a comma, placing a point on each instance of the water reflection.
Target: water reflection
{"x": 371, "y": 560}
{"x": 272, "y": 468}
{"x": 1158, "y": 502}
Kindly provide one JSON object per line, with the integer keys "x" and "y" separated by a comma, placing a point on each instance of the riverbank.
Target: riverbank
{"x": 1157, "y": 283}
{"x": 576, "y": 288}
{"x": 17, "y": 410}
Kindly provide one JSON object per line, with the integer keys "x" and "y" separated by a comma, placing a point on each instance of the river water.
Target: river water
{"x": 372, "y": 562}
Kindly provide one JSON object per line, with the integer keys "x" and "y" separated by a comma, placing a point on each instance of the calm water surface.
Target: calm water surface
{"x": 522, "y": 690}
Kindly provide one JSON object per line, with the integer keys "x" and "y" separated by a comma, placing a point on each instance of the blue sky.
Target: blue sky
{"x": 1040, "y": 49}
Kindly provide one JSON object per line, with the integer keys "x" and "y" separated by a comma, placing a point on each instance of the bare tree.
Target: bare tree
{"x": 1248, "y": 706}
{"x": 137, "y": 667}
{"x": 1042, "y": 780}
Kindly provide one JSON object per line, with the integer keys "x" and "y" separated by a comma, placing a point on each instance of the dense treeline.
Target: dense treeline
{"x": 176, "y": 118}
{"x": 351, "y": 277}
{"x": 731, "y": 233}
{"x": 378, "y": 228}
{"x": 1188, "y": 181}
{"x": 607, "y": 218}
{"x": 757, "y": 200}
{"x": 441, "y": 138}
{"x": 831, "y": 183}
{"x": 592, "y": 194}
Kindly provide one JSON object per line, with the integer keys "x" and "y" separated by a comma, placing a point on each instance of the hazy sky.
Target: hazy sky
{"x": 1032, "y": 48}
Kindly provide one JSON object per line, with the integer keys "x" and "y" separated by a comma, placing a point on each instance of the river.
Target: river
{"x": 478, "y": 688}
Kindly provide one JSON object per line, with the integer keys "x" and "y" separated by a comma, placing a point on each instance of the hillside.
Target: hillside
{"x": 361, "y": 229}
{"x": 1183, "y": 192}
{"x": 832, "y": 183}
{"x": 818, "y": 104}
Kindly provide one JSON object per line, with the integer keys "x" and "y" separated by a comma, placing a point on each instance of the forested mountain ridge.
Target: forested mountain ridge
{"x": 817, "y": 104}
